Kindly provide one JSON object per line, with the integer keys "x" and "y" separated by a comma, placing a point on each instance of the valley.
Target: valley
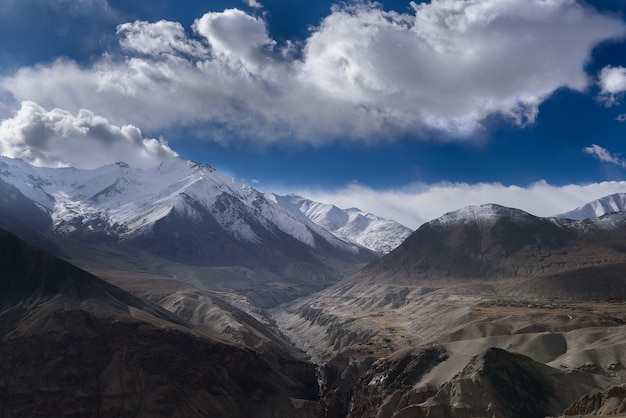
{"x": 583, "y": 342}
{"x": 195, "y": 293}
{"x": 312, "y": 209}
{"x": 487, "y": 311}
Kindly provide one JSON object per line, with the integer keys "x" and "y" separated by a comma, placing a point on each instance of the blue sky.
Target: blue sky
{"x": 405, "y": 109}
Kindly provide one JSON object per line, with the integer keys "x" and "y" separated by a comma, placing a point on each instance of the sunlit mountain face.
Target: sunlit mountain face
{"x": 289, "y": 316}
{"x": 312, "y": 209}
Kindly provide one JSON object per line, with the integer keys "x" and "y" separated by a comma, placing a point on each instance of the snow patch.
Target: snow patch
{"x": 482, "y": 214}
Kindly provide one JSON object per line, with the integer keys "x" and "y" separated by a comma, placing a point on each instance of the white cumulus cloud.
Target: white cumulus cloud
{"x": 57, "y": 138}
{"x": 612, "y": 81}
{"x": 604, "y": 155}
{"x": 254, "y": 4}
{"x": 235, "y": 34}
{"x": 363, "y": 74}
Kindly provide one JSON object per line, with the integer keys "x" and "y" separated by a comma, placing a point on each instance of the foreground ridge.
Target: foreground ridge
{"x": 75, "y": 345}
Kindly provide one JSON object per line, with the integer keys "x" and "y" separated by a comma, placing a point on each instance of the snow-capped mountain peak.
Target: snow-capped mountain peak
{"x": 124, "y": 201}
{"x": 353, "y": 225}
{"x": 596, "y": 208}
{"x": 482, "y": 214}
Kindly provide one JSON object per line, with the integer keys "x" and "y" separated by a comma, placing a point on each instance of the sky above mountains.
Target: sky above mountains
{"x": 404, "y": 109}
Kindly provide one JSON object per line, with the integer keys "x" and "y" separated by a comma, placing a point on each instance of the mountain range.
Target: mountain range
{"x": 123, "y": 203}
{"x": 214, "y": 292}
{"x": 179, "y": 214}
{"x": 492, "y": 242}
{"x": 353, "y": 225}
{"x": 485, "y": 311}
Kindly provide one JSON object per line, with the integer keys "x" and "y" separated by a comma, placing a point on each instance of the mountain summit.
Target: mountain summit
{"x": 353, "y": 225}
{"x": 492, "y": 242}
{"x": 612, "y": 203}
{"x": 124, "y": 202}
{"x": 178, "y": 212}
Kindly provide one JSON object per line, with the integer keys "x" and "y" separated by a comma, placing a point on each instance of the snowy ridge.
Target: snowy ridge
{"x": 353, "y": 225}
{"x": 482, "y": 214}
{"x": 124, "y": 202}
{"x": 491, "y": 213}
{"x": 612, "y": 203}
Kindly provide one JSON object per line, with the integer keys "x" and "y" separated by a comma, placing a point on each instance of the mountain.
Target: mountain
{"x": 175, "y": 215}
{"x": 612, "y": 203}
{"x": 74, "y": 345}
{"x": 352, "y": 225}
{"x": 486, "y": 311}
{"x": 124, "y": 203}
{"x": 32, "y": 277}
{"x": 492, "y": 242}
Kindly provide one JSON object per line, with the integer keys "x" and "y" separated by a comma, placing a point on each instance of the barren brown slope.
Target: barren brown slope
{"x": 71, "y": 344}
{"x": 494, "y": 383}
{"x": 506, "y": 244}
{"x": 610, "y": 402}
{"x": 477, "y": 279}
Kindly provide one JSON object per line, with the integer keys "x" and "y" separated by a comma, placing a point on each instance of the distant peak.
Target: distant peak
{"x": 612, "y": 203}
{"x": 351, "y": 225}
{"x": 489, "y": 212}
{"x": 122, "y": 164}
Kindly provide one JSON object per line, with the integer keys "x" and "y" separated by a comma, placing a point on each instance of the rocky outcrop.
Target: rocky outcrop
{"x": 503, "y": 384}
{"x": 339, "y": 377}
{"x": 387, "y": 387}
{"x": 612, "y": 401}
{"x": 496, "y": 383}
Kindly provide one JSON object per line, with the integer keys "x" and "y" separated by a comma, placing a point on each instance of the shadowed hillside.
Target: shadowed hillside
{"x": 71, "y": 344}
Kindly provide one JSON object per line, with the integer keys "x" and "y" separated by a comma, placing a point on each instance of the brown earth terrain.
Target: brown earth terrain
{"x": 74, "y": 345}
{"x": 401, "y": 351}
{"x": 479, "y": 318}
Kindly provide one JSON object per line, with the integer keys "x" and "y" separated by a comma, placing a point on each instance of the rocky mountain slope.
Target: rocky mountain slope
{"x": 72, "y": 344}
{"x": 486, "y": 311}
{"x": 353, "y": 225}
{"x": 170, "y": 217}
{"x": 493, "y": 383}
{"x": 476, "y": 311}
{"x": 492, "y": 242}
{"x": 610, "y": 402}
